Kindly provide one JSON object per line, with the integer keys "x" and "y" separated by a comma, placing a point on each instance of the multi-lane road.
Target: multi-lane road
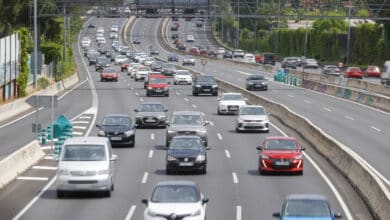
{"x": 232, "y": 183}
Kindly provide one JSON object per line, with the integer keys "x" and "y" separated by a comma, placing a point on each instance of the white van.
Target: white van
{"x": 249, "y": 58}
{"x": 385, "y": 76}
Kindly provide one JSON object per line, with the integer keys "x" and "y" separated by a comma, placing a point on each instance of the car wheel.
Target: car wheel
{"x": 101, "y": 80}
{"x": 60, "y": 194}
{"x": 168, "y": 171}
{"x": 237, "y": 130}
{"x": 167, "y": 95}
{"x": 136, "y": 79}
{"x": 174, "y": 83}
{"x": 107, "y": 193}
{"x": 203, "y": 171}
{"x": 247, "y": 88}
{"x": 132, "y": 142}
{"x": 194, "y": 94}
{"x": 215, "y": 94}
{"x": 300, "y": 173}
{"x": 261, "y": 172}
{"x": 147, "y": 94}
{"x": 219, "y": 112}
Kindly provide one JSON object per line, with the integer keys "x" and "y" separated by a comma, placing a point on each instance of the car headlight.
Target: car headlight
{"x": 102, "y": 172}
{"x": 161, "y": 116}
{"x": 149, "y": 87}
{"x": 129, "y": 133}
{"x": 171, "y": 158}
{"x": 166, "y": 88}
{"x": 151, "y": 213}
{"x": 264, "y": 83}
{"x": 201, "y": 130}
{"x": 201, "y": 157}
{"x": 214, "y": 86}
{"x": 196, "y": 213}
{"x": 299, "y": 157}
{"x": 63, "y": 172}
{"x": 171, "y": 131}
{"x": 198, "y": 86}
{"x": 138, "y": 116}
{"x": 250, "y": 83}
{"x": 264, "y": 157}
{"x": 101, "y": 133}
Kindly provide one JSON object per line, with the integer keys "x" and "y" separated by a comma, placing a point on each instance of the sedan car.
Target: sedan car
{"x": 306, "y": 206}
{"x": 252, "y": 118}
{"x": 102, "y": 63}
{"x": 175, "y": 200}
{"x": 204, "y": 84}
{"x": 256, "y": 82}
{"x": 187, "y": 123}
{"x": 136, "y": 41}
{"x": 114, "y": 35}
{"x": 119, "y": 59}
{"x": 227, "y": 54}
{"x": 151, "y": 114}
{"x": 230, "y": 103}
{"x": 157, "y": 85}
{"x": 142, "y": 72}
{"x": 154, "y": 51}
{"x": 372, "y": 71}
{"x": 190, "y": 38}
{"x": 173, "y": 57}
{"x": 168, "y": 69}
{"x": 156, "y": 65}
{"x": 118, "y": 128}
{"x": 310, "y": 63}
{"x": 182, "y": 77}
{"x": 188, "y": 60}
{"x": 186, "y": 153}
{"x": 280, "y": 154}
{"x": 292, "y": 62}
{"x": 353, "y": 72}
{"x": 238, "y": 53}
{"x": 331, "y": 70}
{"x": 109, "y": 74}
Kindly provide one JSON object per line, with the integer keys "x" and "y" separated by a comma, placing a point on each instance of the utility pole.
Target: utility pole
{"x": 307, "y": 21}
{"x": 65, "y": 26}
{"x": 238, "y": 27}
{"x": 35, "y": 45}
{"x": 349, "y": 30}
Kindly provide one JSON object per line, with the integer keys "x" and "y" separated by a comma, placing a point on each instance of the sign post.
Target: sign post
{"x": 203, "y": 61}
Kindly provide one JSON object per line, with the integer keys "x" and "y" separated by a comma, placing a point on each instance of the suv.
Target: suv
{"x": 118, "y": 128}
{"x": 385, "y": 76}
{"x": 204, "y": 84}
{"x": 187, "y": 123}
{"x": 268, "y": 58}
{"x": 157, "y": 85}
{"x": 292, "y": 62}
{"x": 168, "y": 69}
{"x": 151, "y": 114}
{"x": 238, "y": 53}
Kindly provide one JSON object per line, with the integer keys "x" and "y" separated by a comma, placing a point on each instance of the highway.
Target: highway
{"x": 232, "y": 183}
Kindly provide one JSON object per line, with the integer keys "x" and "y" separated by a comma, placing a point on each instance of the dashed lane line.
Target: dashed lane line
{"x": 185, "y": 99}
{"x": 79, "y": 127}
{"x": 219, "y": 136}
{"x": 376, "y": 129}
{"x": 349, "y": 117}
{"x": 289, "y": 95}
{"x": 131, "y": 212}
{"x": 80, "y": 122}
{"x": 32, "y": 178}
{"x": 211, "y": 123}
{"x": 238, "y": 212}
{"x": 152, "y": 136}
{"x": 85, "y": 117}
{"x": 150, "y": 153}
{"x": 227, "y": 154}
{"x": 235, "y": 178}
{"x": 194, "y": 106}
{"x": 327, "y": 109}
{"x": 145, "y": 177}
{"x": 307, "y": 101}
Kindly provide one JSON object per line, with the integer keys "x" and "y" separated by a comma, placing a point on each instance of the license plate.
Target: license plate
{"x": 233, "y": 108}
{"x": 207, "y": 90}
{"x": 116, "y": 138}
{"x": 150, "y": 120}
{"x": 257, "y": 85}
{"x": 186, "y": 164}
{"x": 282, "y": 163}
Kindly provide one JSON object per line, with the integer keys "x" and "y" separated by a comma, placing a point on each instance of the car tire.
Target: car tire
{"x": 60, "y": 194}
{"x": 167, "y": 95}
{"x": 300, "y": 173}
{"x": 101, "y": 80}
{"x": 132, "y": 142}
{"x": 135, "y": 79}
{"x": 194, "y": 94}
{"x": 147, "y": 94}
{"x": 203, "y": 171}
{"x": 219, "y": 112}
{"x": 237, "y": 130}
{"x": 215, "y": 94}
{"x": 262, "y": 172}
{"x": 107, "y": 193}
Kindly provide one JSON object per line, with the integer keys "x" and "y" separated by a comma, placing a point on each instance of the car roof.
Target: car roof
{"x": 117, "y": 115}
{"x": 186, "y": 137}
{"x": 176, "y": 182}
{"x": 232, "y": 93}
{"x": 186, "y": 113}
{"x": 157, "y": 76}
{"x": 306, "y": 197}
{"x": 151, "y": 103}
{"x": 280, "y": 138}
{"x": 86, "y": 140}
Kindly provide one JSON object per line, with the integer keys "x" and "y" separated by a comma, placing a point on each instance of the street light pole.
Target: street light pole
{"x": 307, "y": 21}
{"x": 238, "y": 27}
{"x": 349, "y": 30}
{"x": 35, "y": 45}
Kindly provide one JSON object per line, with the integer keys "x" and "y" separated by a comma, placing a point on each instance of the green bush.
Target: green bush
{"x": 43, "y": 83}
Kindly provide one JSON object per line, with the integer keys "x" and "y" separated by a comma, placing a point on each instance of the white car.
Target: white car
{"x": 141, "y": 59}
{"x": 119, "y": 59}
{"x": 221, "y": 51}
{"x": 190, "y": 38}
{"x": 188, "y": 60}
{"x": 182, "y": 77}
{"x": 138, "y": 55}
{"x": 142, "y": 72}
{"x": 113, "y": 35}
{"x": 230, "y": 103}
{"x": 175, "y": 200}
{"x": 86, "y": 41}
{"x": 252, "y": 118}
{"x": 115, "y": 28}
{"x": 238, "y": 53}
{"x": 101, "y": 40}
{"x": 148, "y": 61}
{"x": 132, "y": 68}
{"x": 249, "y": 58}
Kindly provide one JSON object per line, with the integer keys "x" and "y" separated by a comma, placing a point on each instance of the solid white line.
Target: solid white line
{"x": 177, "y": 93}
{"x": 32, "y": 178}
{"x": 31, "y": 203}
{"x": 227, "y": 153}
{"x": 46, "y": 147}
{"x": 245, "y": 73}
{"x": 152, "y": 136}
{"x": 307, "y": 101}
{"x": 326, "y": 179}
{"x": 145, "y": 177}
{"x": 131, "y": 212}
{"x": 194, "y": 106}
{"x": 290, "y": 96}
{"x": 202, "y": 114}
{"x": 44, "y": 168}
{"x": 77, "y": 133}
{"x": 150, "y": 153}
{"x": 238, "y": 213}
{"x": 219, "y": 136}
{"x": 349, "y": 117}
{"x": 235, "y": 179}
{"x": 377, "y": 129}
{"x": 85, "y": 117}
{"x": 141, "y": 99}
{"x": 79, "y": 127}
{"x": 327, "y": 109}
{"x": 80, "y": 122}
{"x": 211, "y": 123}
{"x": 48, "y": 157}
{"x": 185, "y": 99}
{"x": 136, "y": 94}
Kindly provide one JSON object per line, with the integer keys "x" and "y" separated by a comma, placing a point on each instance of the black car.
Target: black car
{"x": 118, "y": 128}
{"x": 111, "y": 54}
{"x": 91, "y": 25}
{"x": 173, "y": 57}
{"x": 204, "y": 84}
{"x": 151, "y": 114}
{"x": 156, "y": 65}
{"x": 93, "y": 59}
{"x": 186, "y": 153}
{"x": 136, "y": 41}
{"x": 199, "y": 24}
{"x": 256, "y": 82}
{"x": 182, "y": 47}
{"x": 228, "y": 54}
{"x": 168, "y": 69}
{"x": 174, "y": 36}
{"x": 154, "y": 51}
{"x": 102, "y": 63}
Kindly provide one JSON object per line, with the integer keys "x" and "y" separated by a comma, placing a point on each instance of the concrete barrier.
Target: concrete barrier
{"x": 19, "y": 161}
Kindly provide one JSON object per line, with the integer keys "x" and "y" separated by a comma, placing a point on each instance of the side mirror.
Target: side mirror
{"x": 259, "y": 148}
{"x": 206, "y": 123}
{"x": 136, "y": 110}
{"x": 205, "y": 200}
{"x": 98, "y": 126}
{"x": 338, "y": 215}
{"x": 167, "y": 123}
{"x": 144, "y": 201}
{"x": 276, "y": 214}
{"x": 207, "y": 148}
{"x": 165, "y": 110}
{"x": 114, "y": 157}
{"x": 303, "y": 148}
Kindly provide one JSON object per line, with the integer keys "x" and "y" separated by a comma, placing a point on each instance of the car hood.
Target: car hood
{"x": 232, "y": 102}
{"x": 143, "y": 114}
{"x": 253, "y": 117}
{"x": 257, "y": 81}
{"x": 83, "y": 165}
{"x": 182, "y": 77}
{"x": 161, "y": 86}
{"x": 109, "y": 74}
{"x": 176, "y": 208}
{"x": 185, "y": 153}
{"x": 306, "y": 218}
{"x": 206, "y": 84}
{"x": 185, "y": 127}
{"x": 114, "y": 128}
{"x": 282, "y": 154}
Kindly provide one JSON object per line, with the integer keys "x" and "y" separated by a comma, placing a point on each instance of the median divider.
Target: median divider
{"x": 19, "y": 161}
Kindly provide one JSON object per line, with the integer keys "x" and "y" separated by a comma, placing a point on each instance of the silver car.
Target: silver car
{"x": 86, "y": 164}
{"x": 187, "y": 123}
{"x": 253, "y": 118}
{"x": 151, "y": 114}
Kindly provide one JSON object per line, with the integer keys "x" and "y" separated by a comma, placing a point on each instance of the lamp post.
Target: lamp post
{"x": 238, "y": 27}
{"x": 306, "y": 33}
{"x": 35, "y": 45}
{"x": 349, "y": 30}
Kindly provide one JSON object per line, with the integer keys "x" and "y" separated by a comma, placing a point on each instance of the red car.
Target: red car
{"x": 280, "y": 154}
{"x": 354, "y": 72}
{"x": 157, "y": 85}
{"x": 124, "y": 65}
{"x": 109, "y": 74}
{"x": 372, "y": 71}
{"x": 194, "y": 50}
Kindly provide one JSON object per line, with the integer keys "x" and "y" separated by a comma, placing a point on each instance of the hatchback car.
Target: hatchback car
{"x": 238, "y": 53}
{"x": 187, "y": 123}
{"x": 85, "y": 164}
{"x": 157, "y": 85}
{"x": 227, "y": 54}
{"x": 310, "y": 63}
{"x": 173, "y": 57}
{"x": 331, "y": 70}
{"x": 175, "y": 200}
{"x": 190, "y": 38}
{"x": 118, "y": 128}
{"x": 306, "y": 206}
{"x": 280, "y": 154}
{"x": 142, "y": 72}
{"x": 188, "y": 60}
{"x": 353, "y": 72}
{"x": 230, "y": 103}
{"x": 109, "y": 74}
{"x": 372, "y": 71}
{"x": 256, "y": 82}
{"x": 151, "y": 114}
{"x": 204, "y": 84}
{"x": 168, "y": 69}
{"x": 186, "y": 153}
{"x": 182, "y": 77}
{"x": 252, "y": 118}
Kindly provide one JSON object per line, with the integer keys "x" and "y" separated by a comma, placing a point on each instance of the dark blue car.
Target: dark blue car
{"x": 173, "y": 57}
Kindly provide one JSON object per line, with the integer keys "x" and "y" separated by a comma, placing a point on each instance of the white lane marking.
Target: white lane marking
{"x": 211, "y": 123}
{"x": 177, "y": 93}
{"x": 238, "y": 213}
{"x": 202, "y": 114}
{"x": 152, "y": 136}
{"x": 327, "y": 109}
{"x": 349, "y": 117}
{"x": 46, "y": 147}
{"x": 131, "y": 212}
{"x": 141, "y": 99}
{"x": 131, "y": 87}
{"x": 307, "y": 101}
{"x": 194, "y": 106}
{"x": 85, "y": 117}
{"x": 289, "y": 95}
{"x": 77, "y": 133}
{"x": 145, "y": 177}
{"x": 79, "y": 127}
{"x": 185, "y": 99}
{"x": 31, "y": 203}
{"x": 150, "y": 153}
{"x": 326, "y": 179}
{"x": 32, "y": 178}
{"x": 49, "y": 157}
{"x": 227, "y": 153}
{"x": 235, "y": 179}
{"x": 219, "y": 136}
{"x": 80, "y": 122}
{"x": 377, "y": 129}
{"x": 245, "y": 73}
{"x": 136, "y": 94}
{"x": 44, "y": 168}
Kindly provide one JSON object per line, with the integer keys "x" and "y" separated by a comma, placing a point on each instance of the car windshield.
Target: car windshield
{"x": 257, "y": 78}
{"x": 185, "y": 144}
{"x": 187, "y": 120}
{"x": 206, "y": 79}
{"x": 151, "y": 108}
{"x": 116, "y": 121}
{"x": 311, "y": 61}
{"x": 281, "y": 145}
{"x": 183, "y": 73}
{"x": 252, "y": 111}
{"x": 157, "y": 81}
{"x": 144, "y": 69}
{"x": 169, "y": 66}
{"x": 84, "y": 153}
{"x": 330, "y": 67}
{"x": 175, "y": 194}
{"x": 232, "y": 97}
{"x": 188, "y": 57}
{"x": 308, "y": 208}
{"x": 109, "y": 71}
